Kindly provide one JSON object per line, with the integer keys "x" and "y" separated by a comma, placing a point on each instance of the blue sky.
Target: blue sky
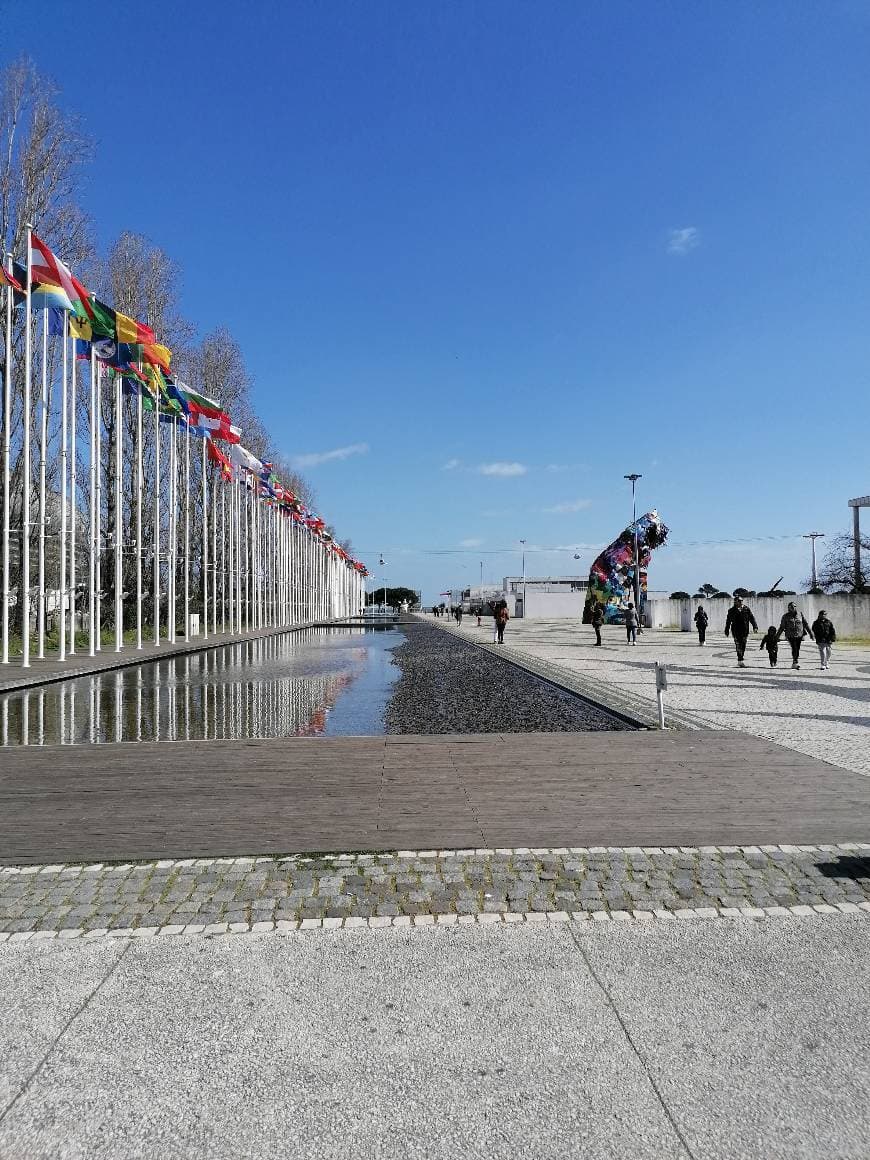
{"x": 544, "y": 243}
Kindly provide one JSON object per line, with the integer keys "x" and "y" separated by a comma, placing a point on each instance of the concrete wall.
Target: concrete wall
{"x": 850, "y": 614}
{"x": 554, "y": 605}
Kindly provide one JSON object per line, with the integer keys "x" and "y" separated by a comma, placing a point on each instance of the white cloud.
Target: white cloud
{"x": 682, "y": 241}
{"x": 503, "y": 469}
{"x": 451, "y": 465}
{"x": 574, "y": 505}
{"x": 472, "y": 543}
{"x": 316, "y": 457}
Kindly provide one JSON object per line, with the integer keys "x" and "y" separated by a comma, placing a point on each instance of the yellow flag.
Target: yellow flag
{"x": 80, "y": 328}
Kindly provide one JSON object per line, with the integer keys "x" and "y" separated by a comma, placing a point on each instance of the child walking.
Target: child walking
{"x": 769, "y": 641}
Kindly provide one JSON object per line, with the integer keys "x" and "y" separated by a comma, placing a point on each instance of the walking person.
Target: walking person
{"x": 459, "y": 616}
{"x": 502, "y": 616}
{"x": 824, "y": 634}
{"x": 770, "y": 642}
{"x": 597, "y": 620}
{"x": 794, "y": 628}
{"x": 631, "y": 624}
{"x": 701, "y": 622}
{"x": 737, "y": 624}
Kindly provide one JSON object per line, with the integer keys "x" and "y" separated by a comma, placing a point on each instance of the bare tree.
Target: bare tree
{"x": 837, "y": 569}
{"x": 42, "y": 151}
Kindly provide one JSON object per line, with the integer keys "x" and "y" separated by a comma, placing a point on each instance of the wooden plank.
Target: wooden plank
{"x": 127, "y": 801}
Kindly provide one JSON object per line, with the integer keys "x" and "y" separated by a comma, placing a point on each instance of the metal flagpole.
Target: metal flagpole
{"x": 98, "y": 536}
{"x": 231, "y": 581}
{"x": 224, "y": 557}
{"x": 7, "y": 421}
{"x": 118, "y": 531}
{"x": 204, "y": 543}
{"x": 43, "y": 451}
{"x": 73, "y": 502}
{"x": 92, "y": 509}
{"x": 173, "y": 527}
{"x": 24, "y": 585}
{"x": 214, "y": 558}
{"x": 155, "y": 536}
{"x": 140, "y": 484}
{"x": 187, "y": 532}
{"x": 61, "y": 638}
{"x": 237, "y": 520}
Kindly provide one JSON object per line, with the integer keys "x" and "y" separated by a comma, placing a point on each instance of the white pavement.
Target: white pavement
{"x": 712, "y": 1040}
{"x": 823, "y": 714}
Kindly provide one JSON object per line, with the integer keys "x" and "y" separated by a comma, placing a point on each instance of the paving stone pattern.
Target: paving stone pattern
{"x": 449, "y": 686}
{"x": 825, "y": 715}
{"x": 225, "y": 893}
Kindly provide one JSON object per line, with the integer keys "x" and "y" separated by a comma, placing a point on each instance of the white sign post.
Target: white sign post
{"x": 661, "y": 685}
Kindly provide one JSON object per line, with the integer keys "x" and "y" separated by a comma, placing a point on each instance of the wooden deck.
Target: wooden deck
{"x": 187, "y": 799}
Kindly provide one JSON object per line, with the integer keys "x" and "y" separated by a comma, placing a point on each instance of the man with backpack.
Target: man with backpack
{"x": 737, "y": 624}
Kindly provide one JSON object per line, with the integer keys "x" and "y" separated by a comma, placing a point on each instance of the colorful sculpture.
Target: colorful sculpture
{"x": 611, "y": 577}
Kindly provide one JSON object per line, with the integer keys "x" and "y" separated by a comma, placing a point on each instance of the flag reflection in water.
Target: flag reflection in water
{"x": 280, "y": 686}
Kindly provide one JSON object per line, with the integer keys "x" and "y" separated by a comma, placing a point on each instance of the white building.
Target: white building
{"x": 546, "y": 597}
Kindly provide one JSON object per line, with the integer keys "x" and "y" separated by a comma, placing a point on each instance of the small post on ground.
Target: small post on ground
{"x": 661, "y": 685}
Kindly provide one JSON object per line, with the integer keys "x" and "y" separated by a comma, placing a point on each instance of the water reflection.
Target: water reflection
{"x": 316, "y": 682}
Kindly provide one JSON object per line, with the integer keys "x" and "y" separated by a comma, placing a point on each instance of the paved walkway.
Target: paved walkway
{"x": 823, "y": 714}
{"x": 224, "y": 895}
{"x": 662, "y": 1041}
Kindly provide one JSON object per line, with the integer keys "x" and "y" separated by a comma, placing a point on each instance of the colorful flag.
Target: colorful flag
{"x": 217, "y": 456}
{"x": 155, "y": 352}
{"x": 7, "y": 279}
{"x": 107, "y": 322}
{"x": 47, "y": 296}
{"x": 46, "y": 267}
{"x": 220, "y": 428}
{"x": 239, "y": 456}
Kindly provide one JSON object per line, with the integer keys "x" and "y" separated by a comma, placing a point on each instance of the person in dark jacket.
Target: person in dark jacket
{"x": 737, "y": 624}
{"x": 597, "y": 620}
{"x": 701, "y": 622}
{"x": 794, "y": 628}
{"x": 769, "y": 641}
{"x": 824, "y": 635}
{"x": 631, "y": 624}
{"x": 502, "y": 616}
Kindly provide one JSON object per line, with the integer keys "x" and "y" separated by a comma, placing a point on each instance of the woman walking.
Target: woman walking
{"x": 824, "y": 635}
{"x": 631, "y": 624}
{"x": 501, "y": 618}
{"x": 701, "y": 622}
{"x": 794, "y": 628}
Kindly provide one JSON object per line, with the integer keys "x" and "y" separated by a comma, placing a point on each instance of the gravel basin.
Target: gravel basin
{"x": 450, "y": 686}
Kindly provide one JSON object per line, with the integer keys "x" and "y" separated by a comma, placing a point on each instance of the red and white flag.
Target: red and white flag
{"x": 47, "y": 267}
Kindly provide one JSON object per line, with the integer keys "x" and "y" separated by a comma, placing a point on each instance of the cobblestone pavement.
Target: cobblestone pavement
{"x": 223, "y": 894}
{"x": 823, "y": 714}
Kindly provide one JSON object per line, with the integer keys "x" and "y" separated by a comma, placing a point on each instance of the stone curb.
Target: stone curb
{"x": 75, "y": 868}
{"x": 405, "y": 922}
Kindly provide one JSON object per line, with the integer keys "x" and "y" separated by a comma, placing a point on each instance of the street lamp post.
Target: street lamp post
{"x": 812, "y": 537}
{"x": 382, "y": 562}
{"x": 634, "y": 477}
{"x": 523, "y": 542}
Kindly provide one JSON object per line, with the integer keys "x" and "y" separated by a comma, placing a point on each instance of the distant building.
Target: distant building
{"x": 546, "y": 597}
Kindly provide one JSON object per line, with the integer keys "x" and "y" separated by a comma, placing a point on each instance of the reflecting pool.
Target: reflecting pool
{"x": 310, "y": 683}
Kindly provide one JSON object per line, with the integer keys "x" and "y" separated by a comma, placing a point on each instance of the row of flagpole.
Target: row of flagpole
{"x": 262, "y": 565}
